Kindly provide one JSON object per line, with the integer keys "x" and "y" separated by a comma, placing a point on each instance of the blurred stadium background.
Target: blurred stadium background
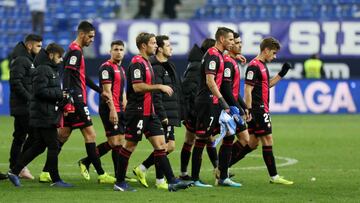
{"x": 330, "y": 28}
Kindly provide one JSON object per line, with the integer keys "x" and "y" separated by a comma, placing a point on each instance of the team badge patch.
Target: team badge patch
{"x": 212, "y": 65}
{"x": 137, "y": 73}
{"x": 105, "y": 74}
{"x": 227, "y": 73}
{"x": 250, "y": 75}
{"x": 73, "y": 60}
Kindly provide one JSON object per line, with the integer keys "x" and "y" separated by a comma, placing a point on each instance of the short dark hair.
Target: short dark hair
{"x": 143, "y": 38}
{"x": 85, "y": 26}
{"x": 270, "y": 43}
{"x": 206, "y": 44}
{"x": 53, "y": 48}
{"x": 117, "y": 42}
{"x": 236, "y": 35}
{"x": 160, "y": 41}
{"x": 33, "y": 37}
{"x": 222, "y": 31}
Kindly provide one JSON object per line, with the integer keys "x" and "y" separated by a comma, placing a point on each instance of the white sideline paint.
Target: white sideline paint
{"x": 288, "y": 162}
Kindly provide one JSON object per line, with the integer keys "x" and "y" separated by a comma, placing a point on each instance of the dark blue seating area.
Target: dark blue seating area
{"x": 61, "y": 19}
{"x": 255, "y": 10}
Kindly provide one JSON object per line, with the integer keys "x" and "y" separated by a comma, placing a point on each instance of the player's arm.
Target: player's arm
{"x": 226, "y": 86}
{"x": 251, "y": 77}
{"x": 158, "y": 96}
{"x": 210, "y": 63}
{"x": 71, "y": 69}
{"x": 137, "y": 77}
{"x": 284, "y": 69}
{"x": 92, "y": 85}
{"x": 17, "y": 74}
{"x": 113, "y": 117}
{"x": 40, "y": 87}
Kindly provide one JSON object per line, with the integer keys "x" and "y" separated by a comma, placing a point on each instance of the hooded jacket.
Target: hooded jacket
{"x": 47, "y": 92}
{"x": 21, "y": 68}
{"x": 167, "y": 106}
{"x": 191, "y": 81}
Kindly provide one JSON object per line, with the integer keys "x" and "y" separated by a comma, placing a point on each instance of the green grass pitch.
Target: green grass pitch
{"x": 322, "y": 146}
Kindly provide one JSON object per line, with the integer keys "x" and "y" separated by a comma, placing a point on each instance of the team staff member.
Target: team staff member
{"x": 209, "y": 100}
{"x": 74, "y": 83}
{"x": 44, "y": 114}
{"x": 112, "y": 79}
{"x": 189, "y": 87}
{"x": 140, "y": 115}
{"x": 257, "y": 96}
{"x": 21, "y": 68}
{"x": 166, "y": 107}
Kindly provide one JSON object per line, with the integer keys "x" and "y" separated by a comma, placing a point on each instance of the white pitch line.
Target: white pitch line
{"x": 289, "y": 161}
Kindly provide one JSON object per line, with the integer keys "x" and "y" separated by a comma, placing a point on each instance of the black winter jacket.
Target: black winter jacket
{"x": 191, "y": 81}
{"x": 21, "y": 68}
{"x": 167, "y": 106}
{"x": 46, "y": 93}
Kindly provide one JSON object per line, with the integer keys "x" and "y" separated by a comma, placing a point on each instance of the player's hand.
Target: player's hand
{"x": 284, "y": 69}
{"x": 106, "y": 96}
{"x": 113, "y": 117}
{"x": 241, "y": 58}
{"x": 247, "y": 115}
{"x": 167, "y": 89}
{"x": 165, "y": 122}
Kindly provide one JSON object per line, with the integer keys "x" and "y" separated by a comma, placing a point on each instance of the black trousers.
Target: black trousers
{"x": 43, "y": 138}
{"x": 22, "y": 138}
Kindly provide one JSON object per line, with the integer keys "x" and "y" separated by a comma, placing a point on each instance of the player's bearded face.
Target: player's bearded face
{"x": 35, "y": 47}
{"x": 151, "y": 46}
{"x": 88, "y": 38}
{"x": 228, "y": 41}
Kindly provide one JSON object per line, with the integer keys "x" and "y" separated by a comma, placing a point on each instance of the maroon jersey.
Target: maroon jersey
{"x": 257, "y": 75}
{"x": 212, "y": 63}
{"x": 111, "y": 73}
{"x": 74, "y": 80}
{"x": 140, "y": 71}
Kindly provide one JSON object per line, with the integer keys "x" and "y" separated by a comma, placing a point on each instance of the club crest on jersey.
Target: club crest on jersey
{"x": 105, "y": 74}
{"x": 227, "y": 72}
{"x": 212, "y": 65}
{"x": 137, "y": 73}
{"x": 73, "y": 60}
{"x": 250, "y": 75}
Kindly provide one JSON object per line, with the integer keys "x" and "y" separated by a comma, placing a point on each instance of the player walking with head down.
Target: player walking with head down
{"x": 257, "y": 84}
{"x": 140, "y": 115}
{"x": 74, "y": 84}
{"x": 210, "y": 101}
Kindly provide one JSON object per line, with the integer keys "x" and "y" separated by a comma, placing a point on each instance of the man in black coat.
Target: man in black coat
{"x": 44, "y": 114}
{"x": 21, "y": 68}
{"x": 166, "y": 107}
{"x": 190, "y": 86}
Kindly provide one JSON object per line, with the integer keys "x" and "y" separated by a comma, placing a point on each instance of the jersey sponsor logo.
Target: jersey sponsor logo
{"x": 212, "y": 65}
{"x": 137, "y": 74}
{"x": 105, "y": 74}
{"x": 227, "y": 73}
{"x": 250, "y": 75}
{"x": 73, "y": 60}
